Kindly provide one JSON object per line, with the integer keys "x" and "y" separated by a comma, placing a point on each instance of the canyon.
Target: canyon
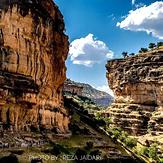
{"x": 137, "y": 83}
{"x": 33, "y": 50}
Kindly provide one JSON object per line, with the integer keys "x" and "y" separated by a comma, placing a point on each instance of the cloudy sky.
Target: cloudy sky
{"x": 99, "y": 30}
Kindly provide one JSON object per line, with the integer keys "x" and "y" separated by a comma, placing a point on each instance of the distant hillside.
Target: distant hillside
{"x": 99, "y": 97}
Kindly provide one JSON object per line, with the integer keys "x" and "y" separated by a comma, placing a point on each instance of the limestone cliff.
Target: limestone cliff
{"x": 72, "y": 87}
{"x": 81, "y": 89}
{"x": 33, "y": 50}
{"x": 138, "y": 85}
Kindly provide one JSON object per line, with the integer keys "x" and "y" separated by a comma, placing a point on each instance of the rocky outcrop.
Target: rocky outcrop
{"x": 81, "y": 89}
{"x": 138, "y": 85}
{"x": 72, "y": 88}
{"x": 33, "y": 50}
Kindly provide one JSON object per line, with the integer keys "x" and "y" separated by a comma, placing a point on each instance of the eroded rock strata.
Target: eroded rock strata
{"x": 72, "y": 88}
{"x": 138, "y": 85}
{"x": 81, "y": 89}
{"x": 33, "y": 50}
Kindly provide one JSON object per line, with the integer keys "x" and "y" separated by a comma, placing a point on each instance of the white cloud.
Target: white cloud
{"x": 133, "y": 2}
{"x": 138, "y": 5}
{"x": 147, "y": 18}
{"x": 105, "y": 88}
{"x": 88, "y": 51}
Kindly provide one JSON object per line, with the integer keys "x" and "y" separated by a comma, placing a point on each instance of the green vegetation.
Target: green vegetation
{"x": 159, "y": 44}
{"x": 151, "y": 152}
{"x": 152, "y": 45}
{"x": 130, "y": 142}
{"x": 119, "y": 134}
{"x": 131, "y": 54}
{"x": 143, "y": 50}
{"x": 123, "y": 136}
{"x": 116, "y": 133}
{"x": 125, "y": 54}
{"x": 99, "y": 117}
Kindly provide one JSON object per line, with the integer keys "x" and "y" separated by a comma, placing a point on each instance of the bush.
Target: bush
{"x": 152, "y": 152}
{"x": 130, "y": 142}
{"x": 160, "y": 160}
{"x": 116, "y": 133}
{"x": 123, "y": 136}
{"x": 108, "y": 120}
{"x": 152, "y": 45}
{"x": 159, "y": 44}
{"x": 143, "y": 151}
{"x": 143, "y": 50}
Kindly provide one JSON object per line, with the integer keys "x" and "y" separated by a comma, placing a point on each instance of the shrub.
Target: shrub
{"x": 123, "y": 136}
{"x": 159, "y": 44}
{"x": 152, "y": 152}
{"x": 160, "y": 160}
{"x": 143, "y": 151}
{"x": 108, "y": 120}
{"x": 143, "y": 50}
{"x": 125, "y": 54}
{"x": 152, "y": 45}
{"x": 116, "y": 133}
{"x": 131, "y": 54}
{"x": 130, "y": 142}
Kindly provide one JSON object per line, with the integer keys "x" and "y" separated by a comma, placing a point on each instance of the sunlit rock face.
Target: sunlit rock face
{"x": 72, "y": 88}
{"x": 33, "y": 50}
{"x": 138, "y": 85}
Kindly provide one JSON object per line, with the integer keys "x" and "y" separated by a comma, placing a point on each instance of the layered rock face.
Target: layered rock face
{"x": 33, "y": 50}
{"x": 81, "y": 89}
{"x": 73, "y": 88}
{"x": 138, "y": 85}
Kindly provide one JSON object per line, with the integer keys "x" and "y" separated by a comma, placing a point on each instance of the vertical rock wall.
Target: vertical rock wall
{"x": 138, "y": 85}
{"x": 33, "y": 50}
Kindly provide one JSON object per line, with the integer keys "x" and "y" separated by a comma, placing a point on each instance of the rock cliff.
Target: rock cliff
{"x": 138, "y": 85}
{"x": 72, "y": 87}
{"x": 81, "y": 89}
{"x": 33, "y": 50}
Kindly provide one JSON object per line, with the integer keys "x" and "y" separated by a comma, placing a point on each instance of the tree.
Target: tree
{"x": 125, "y": 54}
{"x": 152, "y": 45}
{"x": 159, "y": 44}
{"x": 143, "y": 50}
{"x": 131, "y": 54}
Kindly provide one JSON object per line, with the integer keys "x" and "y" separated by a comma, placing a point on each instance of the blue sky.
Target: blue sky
{"x": 100, "y": 18}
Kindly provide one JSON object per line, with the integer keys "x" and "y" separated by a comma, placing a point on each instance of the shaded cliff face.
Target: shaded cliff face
{"x": 33, "y": 50}
{"x": 138, "y": 85}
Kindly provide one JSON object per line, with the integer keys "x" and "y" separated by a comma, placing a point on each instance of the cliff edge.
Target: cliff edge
{"x": 138, "y": 85}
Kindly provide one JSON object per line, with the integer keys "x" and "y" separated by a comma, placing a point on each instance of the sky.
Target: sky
{"x": 100, "y": 30}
